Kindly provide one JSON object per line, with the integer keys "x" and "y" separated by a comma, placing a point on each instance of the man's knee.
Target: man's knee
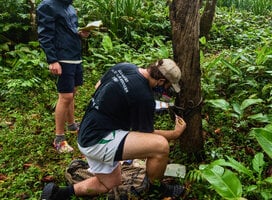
{"x": 162, "y": 145}
{"x": 66, "y": 97}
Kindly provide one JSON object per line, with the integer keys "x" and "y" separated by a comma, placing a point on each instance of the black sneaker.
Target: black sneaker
{"x": 48, "y": 191}
{"x": 164, "y": 190}
{"x": 172, "y": 190}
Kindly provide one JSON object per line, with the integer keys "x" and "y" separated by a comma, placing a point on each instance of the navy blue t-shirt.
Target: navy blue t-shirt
{"x": 124, "y": 100}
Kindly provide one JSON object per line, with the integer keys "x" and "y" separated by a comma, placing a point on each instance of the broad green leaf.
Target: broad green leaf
{"x": 268, "y": 127}
{"x": 219, "y": 103}
{"x": 268, "y": 180}
{"x": 233, "y": 164}
{"x": 264, "y": 138}
{"x": 218, "y": 162}
{"x": 250, "y": 188}
{"x": 237, "y": 109}
{"x": 225, "y": 182}
{"x": 4, "y": 47}
{"x": 235, "y": 115}
{"x": 203, "y": 166}
{"x": 248, "y": 102}
{"x": 238, "y": 166}
{"x": 267, "y": 88}
{"x": 260, "y": 117}
{"x": 266, "y": 194}
{"x": 258, "y": 162}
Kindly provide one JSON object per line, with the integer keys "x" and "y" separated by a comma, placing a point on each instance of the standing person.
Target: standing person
{"x": 119, "y": 125}
{"x": 61, "y": 42}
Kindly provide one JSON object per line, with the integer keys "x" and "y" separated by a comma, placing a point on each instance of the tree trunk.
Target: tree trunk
{"x": 207, "y": 18}
{"x": 33, "y": 35}
{"x": 184, "y": 16}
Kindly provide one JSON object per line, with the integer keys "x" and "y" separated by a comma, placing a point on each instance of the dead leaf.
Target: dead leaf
{"x": 27, "y": 165}
{"x": 3, "y": 177}
{"x": 48, "y": 179}
{"x": 217, "y": 131}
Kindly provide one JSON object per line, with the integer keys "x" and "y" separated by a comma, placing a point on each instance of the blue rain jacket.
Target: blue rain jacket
{"x": 58, "y": 30}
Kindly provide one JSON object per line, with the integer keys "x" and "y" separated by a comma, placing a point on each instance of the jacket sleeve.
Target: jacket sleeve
{"x": 46, "y": 31}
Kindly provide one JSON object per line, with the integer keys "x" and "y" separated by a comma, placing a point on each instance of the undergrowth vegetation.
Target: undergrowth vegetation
{"x": 236, "y": 64}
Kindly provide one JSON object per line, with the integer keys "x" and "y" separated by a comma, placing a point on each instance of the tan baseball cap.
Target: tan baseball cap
{"x": 171, "y": 72}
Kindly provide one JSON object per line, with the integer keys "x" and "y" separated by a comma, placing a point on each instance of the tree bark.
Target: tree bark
{"x": 207, "y": 18}
{"x": 184, "y": 16}
{"x": 33, "y": 35}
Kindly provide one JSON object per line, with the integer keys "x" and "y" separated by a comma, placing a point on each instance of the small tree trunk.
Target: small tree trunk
{"x": 184, "y": 16}
{"x": 207, "y": 18}
{"x": 33, "y": 35}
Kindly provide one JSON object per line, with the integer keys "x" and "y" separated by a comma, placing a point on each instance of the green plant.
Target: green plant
{"x": 256, "y": 6}
{"x": 235, "y": 110}
{"x": 26, "y": 68}
{"x": 108, "y": 52}
{"x": 117, "y": 15}
{"x": 236, "y": 66}
{"x": 228, "y": 185}
{"x": 230, "y": 30}
{"x": 264, "y": 54}
{"x": 126, "y": 18}
{"x": 264, "y": 138}
{"x": 241, "y": 114}
{"x": 17, "y": 21}
{"x": 232, "y": 186}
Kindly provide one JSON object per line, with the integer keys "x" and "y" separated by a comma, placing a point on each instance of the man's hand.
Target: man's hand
{"x": 173, "y": 134}
{"x": 55, "y": 68}
{"x": 180, "y": 126}
{"x": 84, "y": 34}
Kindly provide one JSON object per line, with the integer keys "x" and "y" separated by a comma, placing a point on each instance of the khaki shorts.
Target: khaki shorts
{"x": 100, "y": 156}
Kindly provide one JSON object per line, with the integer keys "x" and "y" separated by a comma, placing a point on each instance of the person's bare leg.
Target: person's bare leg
{"x": 61, "y": 111}
{"x": 155, "y": 168}
{"x": 153, "y": 147}
{"x": 70, "y": 113}
{"x": 99, "y": 184}
{"x": 71, "y": 110}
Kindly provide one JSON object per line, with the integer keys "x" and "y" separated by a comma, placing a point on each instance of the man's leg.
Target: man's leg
{"x": 63, "y": 104}
{"x": 154, "y": 148}
{"x": 99, "y": 184}
{"x": 70, "y": 113}
{"x": 71, "y": 110}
